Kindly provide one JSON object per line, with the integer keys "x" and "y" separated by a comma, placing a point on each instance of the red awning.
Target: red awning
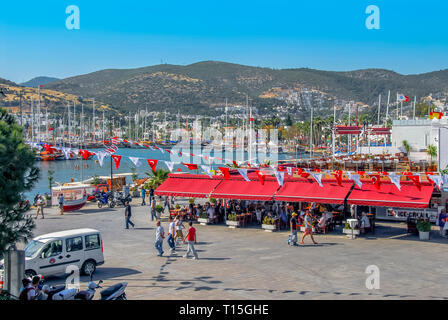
{"x": 187, "y": 187}
{"x": 245, "y": 190}
{"x": 389, "y": 196}
{"x": 302, "y": 191}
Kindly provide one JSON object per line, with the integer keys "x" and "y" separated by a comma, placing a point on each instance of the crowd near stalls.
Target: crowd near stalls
{"x": 270, "y": 197}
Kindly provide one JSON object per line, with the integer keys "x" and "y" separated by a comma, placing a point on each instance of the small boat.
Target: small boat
{"x": 73, "y": 205}
{"x": 75, "y": 195}
{"x": 46, "y": 156}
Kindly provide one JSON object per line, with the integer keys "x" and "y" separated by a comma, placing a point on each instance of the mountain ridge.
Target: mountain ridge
{"x": 201, "y": 86}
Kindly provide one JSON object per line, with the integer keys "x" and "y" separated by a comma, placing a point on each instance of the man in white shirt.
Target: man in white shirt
{"x": 171, "y": 234}
{"x": 160, "y": 235}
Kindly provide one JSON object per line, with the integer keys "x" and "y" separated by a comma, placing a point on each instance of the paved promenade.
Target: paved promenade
{"x": 250, "y": 263}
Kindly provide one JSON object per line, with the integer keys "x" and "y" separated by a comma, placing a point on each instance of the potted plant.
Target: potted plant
{"x": 159, "y": 210}
{"x": 424, "y": 229}
{"x": 268, "y": 224}
{"x": 191, "y": 200}
{"x": 212, "y": 200}
{"x": 232, "y": 221}
{"x": 177, "y": 206}
{"x": 203, "y": 218}
{"x": 349, "y": 231}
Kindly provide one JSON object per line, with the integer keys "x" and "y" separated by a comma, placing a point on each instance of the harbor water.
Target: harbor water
{"x": 78, "y": 170}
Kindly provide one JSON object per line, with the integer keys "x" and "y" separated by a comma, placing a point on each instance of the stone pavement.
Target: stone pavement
{"x": 250, "y": 263}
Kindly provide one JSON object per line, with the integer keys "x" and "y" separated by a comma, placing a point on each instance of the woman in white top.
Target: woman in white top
{"x": 179, "y": 226}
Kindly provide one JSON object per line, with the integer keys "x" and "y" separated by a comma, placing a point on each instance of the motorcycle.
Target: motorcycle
{"x": 104, "y": 200}
{"x": 120, "y": 199}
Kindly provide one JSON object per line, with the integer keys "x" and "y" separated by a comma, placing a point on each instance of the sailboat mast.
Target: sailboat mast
{"x": 32, "y": 119}
{"x": 38, "y": 114}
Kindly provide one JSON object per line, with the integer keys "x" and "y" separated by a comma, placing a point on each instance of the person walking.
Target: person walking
{"x": 191, "y": 239}
{"x": 128, "y": 215}
{"x": 293, "y": 224}
{"x": 152, "y": 210}
{"x": 308, "y": 227}
{"x": 171, "y": 234}
{"x": 143, "y": 194}
{"x": 167, "y": 204}
{"x": 151, "y": 195}
{"x": 61, "y": 204}
{"x": 40, "y": 206}
{"x": 160, "y": 235}
{"x": 179, "y": 227}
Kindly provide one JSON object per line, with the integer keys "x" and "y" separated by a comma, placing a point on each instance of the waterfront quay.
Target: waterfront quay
{"x": 249, "y": 263}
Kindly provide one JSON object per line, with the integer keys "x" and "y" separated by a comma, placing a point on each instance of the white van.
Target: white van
{"x": 51, "y": 253}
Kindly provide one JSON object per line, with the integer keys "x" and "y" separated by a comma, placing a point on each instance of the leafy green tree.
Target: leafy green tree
{"x": 431, "y": 150}
{"x": 50, "y": 179}
{"x": 18, "y": 174}
{"x": 406, "y": 146}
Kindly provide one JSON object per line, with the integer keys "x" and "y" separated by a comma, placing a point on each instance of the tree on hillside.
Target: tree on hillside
{"x": 18, "y": 174}
{"x": 421, "y": 109}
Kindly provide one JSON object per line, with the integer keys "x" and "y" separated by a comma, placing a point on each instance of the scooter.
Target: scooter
{"x": 115, "y": 292}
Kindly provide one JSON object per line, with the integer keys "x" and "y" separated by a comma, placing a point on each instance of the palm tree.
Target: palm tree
{"x": 156, "y": 178}
{"x": 431, "y": 150}
{"x": 406, "y": 146}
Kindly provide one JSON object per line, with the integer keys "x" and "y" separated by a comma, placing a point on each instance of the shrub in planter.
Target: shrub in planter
{"x": 159, "y": 208}
{"x": 177, "y": 206}
{"x": 191, "y": 200}
{"x": 268, "y": 221}
{"x": 203, "y": 215}
{"x": 231, "y": 217}
{"x": 212, "y": 200}
{"x": 423, "y": 226}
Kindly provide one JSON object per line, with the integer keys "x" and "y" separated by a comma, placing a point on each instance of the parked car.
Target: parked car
{"x": 51, "y": 253}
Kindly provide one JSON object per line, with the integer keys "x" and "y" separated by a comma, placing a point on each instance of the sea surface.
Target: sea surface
{"x": 66, "y": 170}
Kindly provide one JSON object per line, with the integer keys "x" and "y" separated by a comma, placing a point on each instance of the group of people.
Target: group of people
{"x": 40, "y": 202}
{"x": 32, "y": 289}
{"x": 175, "y": 233}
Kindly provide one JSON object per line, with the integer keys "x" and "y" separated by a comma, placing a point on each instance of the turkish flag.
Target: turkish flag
{"x": 305, "y": 175}
{"x": 299, "y": 171}
{"x": 225, "y": 172}
{"x": 376, "y": 180}
{"x": 152, "y": 163}
{"x": 416, "y": 180}
{"x": 261, "y": 176}
{"x": 117, "y": 160}
{"x": 191, "y": 166}
{"x": 338, "y": 175}
{"x": 50, "y": 129}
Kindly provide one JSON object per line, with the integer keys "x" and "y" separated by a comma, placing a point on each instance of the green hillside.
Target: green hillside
{"x": 199, "y": 87}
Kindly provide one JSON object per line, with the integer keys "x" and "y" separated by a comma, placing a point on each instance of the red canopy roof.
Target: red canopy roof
{"x": 245, "y": 190}
{"x": 187, "y": 186}
{"x": 301, "y": 191}
{"x": 389, "y": 196}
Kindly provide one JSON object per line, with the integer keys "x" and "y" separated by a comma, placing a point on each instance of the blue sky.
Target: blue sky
{"x": 329, "y": 35}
